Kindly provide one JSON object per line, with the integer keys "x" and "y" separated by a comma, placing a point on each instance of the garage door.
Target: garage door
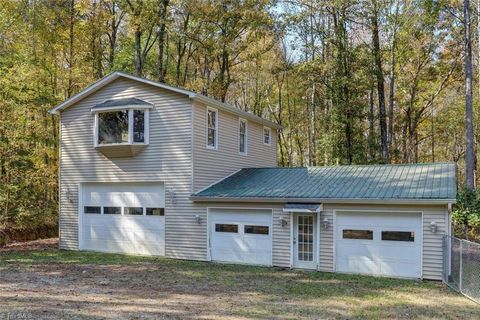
{"x": 386, "y": 244}
{"x": 123, "y": 218}
{"x": 241, "y": 236}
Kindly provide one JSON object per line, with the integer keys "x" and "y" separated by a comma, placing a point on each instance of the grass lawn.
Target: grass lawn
{"x": 51, "y": 284}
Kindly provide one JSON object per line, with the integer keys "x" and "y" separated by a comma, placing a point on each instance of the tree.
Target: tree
{"x": 470, "y": 147}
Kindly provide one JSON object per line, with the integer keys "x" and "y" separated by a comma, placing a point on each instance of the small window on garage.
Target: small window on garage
{"x": 112, "y": 210}
{"x": 92, "y": 210}
{"x": 406, "y": 236}
{"x": 137, "y": 211}
{"x": 256, "y": 229}
{"x": 223, "y": 227}
{"x": 155, "y": 211}
{"x": 357, "y": 234}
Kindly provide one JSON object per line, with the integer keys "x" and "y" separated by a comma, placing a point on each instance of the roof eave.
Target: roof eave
{"x": 323, "y": 200}
{"x": 108, "y": 79}
{"x": 224, "y": 106}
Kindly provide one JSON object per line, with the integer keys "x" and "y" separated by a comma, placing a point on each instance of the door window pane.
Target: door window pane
{"x": 398, "y": 236}
{"x": 113, "y": 127}
{"x": 232, "y": 228}
{"x": 138, "y": 126}
{"x": 155, "y": 211}
{"x": 256, "y": 229}
{"x": 358, "y": 234}
{"x": 138, "y": 211}
{"x": 92, "y": 210}
{"x": 112, "y": 210}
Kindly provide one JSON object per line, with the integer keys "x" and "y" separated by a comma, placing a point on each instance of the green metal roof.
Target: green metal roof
{"x": 435, "y": 181}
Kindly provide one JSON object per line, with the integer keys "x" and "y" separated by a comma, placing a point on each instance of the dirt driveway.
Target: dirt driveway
{"x": 38, "y": 281}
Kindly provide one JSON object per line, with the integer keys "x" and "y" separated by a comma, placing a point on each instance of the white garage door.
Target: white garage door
{"x": 241, "y": 236}
{"x": 123, "y": 218}
{"x": 387, "y": 244}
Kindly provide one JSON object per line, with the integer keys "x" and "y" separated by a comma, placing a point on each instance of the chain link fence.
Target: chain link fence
{"x": 461, "y": 266}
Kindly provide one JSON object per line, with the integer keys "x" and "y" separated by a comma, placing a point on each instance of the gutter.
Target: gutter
{"x": 323, "y": 200}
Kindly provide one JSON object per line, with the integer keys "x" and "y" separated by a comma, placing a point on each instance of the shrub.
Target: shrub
{"x": 466, "y": 215}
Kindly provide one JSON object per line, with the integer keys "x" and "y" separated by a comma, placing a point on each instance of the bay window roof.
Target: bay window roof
{"x": 127, "y": 103}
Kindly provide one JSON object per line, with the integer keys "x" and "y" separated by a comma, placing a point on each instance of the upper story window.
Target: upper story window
{"x": 212, "y": 128}
{"x": 121, "y": 122}
{"x": 267, "y": 136}
{"x": 242, "y": 136}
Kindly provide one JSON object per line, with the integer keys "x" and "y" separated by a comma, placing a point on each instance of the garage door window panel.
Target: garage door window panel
{"x": 355, "y": 234}
{"x": 135, "y": 211}
{"x": 404, "y": 236}
{"x": 92, "y": 210}
{"x": 155, "y": 211}
{"x": 250, "y": 229}
{"x": 112, "y": 210}
{"x": 228, "y": 228}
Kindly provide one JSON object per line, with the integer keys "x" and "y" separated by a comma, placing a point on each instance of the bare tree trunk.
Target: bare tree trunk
{"x": 470, "y": 148}
{"x": 71, "y": 49}
{"x": 391, "y": 97}
{"x": 138, "y": 52}
{"x": 380, "y": 82}
{"x": 161, "y": 38}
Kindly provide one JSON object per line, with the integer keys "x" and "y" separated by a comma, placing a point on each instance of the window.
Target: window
{"x": 92, "y": 210}
{"x": 113, "y": 127}
{"x": 358, "y": 234}
{"x": 138, "y": 126}
{"x": 212, "y": 123}
{"x": 242, "y": 136}
{"x": 112, "y": 210}
{"x": 127, "y": 126}
{"x": 233, "y": 228}
{"x": 137, "y": 211}
{"x": 155, "y": 211}
{"x": 406, "y": 236}
{"x": 267, "y": 133}
{"x": 256, "y": 229}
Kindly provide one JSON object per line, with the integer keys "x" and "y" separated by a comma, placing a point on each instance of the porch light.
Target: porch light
{"x": 326, "y": 223}
{"x": 283, "y": 222}
{"x": 433, "y": 227}
{"x": 198, "y": 219}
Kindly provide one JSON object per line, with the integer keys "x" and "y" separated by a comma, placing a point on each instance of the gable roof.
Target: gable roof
{"x": 426, "y": 183}
{"x": 192, "y": 95}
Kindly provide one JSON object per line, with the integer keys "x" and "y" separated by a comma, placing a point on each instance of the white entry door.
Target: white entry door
{"x": 304, "y": 241}
{"x": 123, "y": 218}
{"x": 241, "y": 236}
{"x": 386, "y": 244}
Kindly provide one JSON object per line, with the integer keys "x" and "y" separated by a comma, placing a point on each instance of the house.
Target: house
{"x": 151, "y": 169}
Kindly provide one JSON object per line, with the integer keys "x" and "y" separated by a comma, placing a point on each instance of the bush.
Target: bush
{"x": 466, "y": 215}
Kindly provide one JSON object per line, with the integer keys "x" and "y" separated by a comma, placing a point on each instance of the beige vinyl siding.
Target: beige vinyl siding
{"x": 209, "y": 165}
{"x": 325, "y": 246}
{"x": 167, "y": 159}
{"x": 432, "y": 242}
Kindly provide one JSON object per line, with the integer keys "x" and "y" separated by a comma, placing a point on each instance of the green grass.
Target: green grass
{"x": 225, "y": 290}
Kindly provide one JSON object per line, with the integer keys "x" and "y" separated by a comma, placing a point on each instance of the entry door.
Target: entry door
{"x": 304, "y": 241}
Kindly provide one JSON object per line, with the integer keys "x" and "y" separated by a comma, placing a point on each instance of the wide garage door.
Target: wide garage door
{"x": 123, "y": 217}
{"x": 241, "y": 236}
{"x": 386, "y": 244}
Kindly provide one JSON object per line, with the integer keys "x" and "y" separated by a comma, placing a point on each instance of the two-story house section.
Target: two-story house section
{"x": 132, "y": 151}
{"x": 146, "y": 168}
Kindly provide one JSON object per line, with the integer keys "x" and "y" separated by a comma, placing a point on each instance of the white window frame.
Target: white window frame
{"x": 245, "y": 152}
{"x": 146, "y": 129}
{"x": 269, "y": 136}
{"x": 215, "y": 147}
